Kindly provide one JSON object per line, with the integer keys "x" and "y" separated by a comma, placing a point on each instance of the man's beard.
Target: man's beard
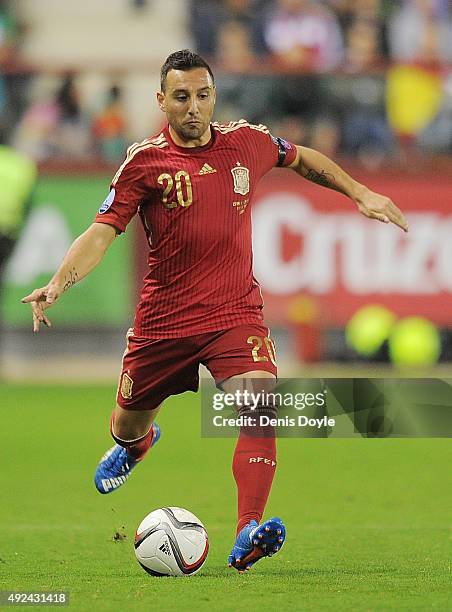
{"x": 192, "y": 132}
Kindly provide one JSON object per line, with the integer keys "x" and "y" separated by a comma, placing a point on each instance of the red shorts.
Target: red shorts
{"x": 152, "y": 370}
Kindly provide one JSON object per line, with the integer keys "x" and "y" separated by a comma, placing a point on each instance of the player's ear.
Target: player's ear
{"x": 161, "y": 100}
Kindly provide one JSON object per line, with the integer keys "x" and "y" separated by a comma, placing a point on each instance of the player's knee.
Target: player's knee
{"x": 269, "y": 409}
{"x": 125, "y": 428}
{"x": 258, "y": 421}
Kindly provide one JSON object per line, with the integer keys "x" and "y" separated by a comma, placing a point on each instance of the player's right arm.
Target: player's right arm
{"x": 84, "y": 255}
{"x": 318, "y": 168}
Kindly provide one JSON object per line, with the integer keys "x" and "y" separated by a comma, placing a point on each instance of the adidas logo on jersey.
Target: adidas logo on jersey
{"x": 206, "y": 169}
{"x": 165, "y": 548}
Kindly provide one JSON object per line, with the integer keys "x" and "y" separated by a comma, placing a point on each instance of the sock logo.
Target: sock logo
{"x": 262, "y": 460}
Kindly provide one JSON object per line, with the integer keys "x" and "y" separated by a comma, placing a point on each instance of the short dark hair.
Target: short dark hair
{"x": 183, "y": 60}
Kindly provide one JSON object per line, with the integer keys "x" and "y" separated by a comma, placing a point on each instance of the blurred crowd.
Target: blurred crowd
{"x": 55, "y": 125}
{"x": 43, "y": 116}
{"x": 319, "y": 36}
{"x": 367, "y": 78}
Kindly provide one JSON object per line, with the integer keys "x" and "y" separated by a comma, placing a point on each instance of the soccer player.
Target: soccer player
{"x": 193, "y": 187}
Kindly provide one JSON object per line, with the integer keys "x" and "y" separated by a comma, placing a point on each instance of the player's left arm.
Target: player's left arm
{"x": 318, "y": 168}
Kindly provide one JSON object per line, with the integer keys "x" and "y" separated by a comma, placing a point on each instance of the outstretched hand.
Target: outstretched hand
{"x": 40, "y": 300}
{"x": 376, "y": 206}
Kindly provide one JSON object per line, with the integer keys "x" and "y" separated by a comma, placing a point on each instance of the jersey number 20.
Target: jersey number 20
{"x": 167, "y": 181}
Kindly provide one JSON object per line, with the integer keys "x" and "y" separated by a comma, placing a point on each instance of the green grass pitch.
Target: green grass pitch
{"x": 367, "y": 520}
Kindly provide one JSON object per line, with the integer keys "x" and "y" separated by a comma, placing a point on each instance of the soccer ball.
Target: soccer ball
{"x": 171, "y": 542}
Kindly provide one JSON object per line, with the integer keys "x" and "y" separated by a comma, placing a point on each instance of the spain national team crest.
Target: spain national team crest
{"x": 241, "y": 176}
{"x": 126, "y": 386}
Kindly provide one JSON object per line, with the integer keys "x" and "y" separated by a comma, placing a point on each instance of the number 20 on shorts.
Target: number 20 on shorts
{"x": 258, "y": 351}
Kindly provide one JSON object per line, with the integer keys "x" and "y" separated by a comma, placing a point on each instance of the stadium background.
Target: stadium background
{"x": 77, "y": 89}
{"x": 367, "y": 82}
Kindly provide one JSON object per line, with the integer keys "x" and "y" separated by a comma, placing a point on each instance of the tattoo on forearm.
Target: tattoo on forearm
{"x": 321, "y": 178}
{"x": 70, "y": 279}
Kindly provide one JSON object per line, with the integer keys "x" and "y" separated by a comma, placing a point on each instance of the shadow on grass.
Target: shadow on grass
{"x": 294, "y": 573}
{"x": 307, "y": 572}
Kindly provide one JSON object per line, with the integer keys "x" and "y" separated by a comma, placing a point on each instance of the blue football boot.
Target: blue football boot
{"x": 256, "y": 541}
{"x": 115, "y": 466}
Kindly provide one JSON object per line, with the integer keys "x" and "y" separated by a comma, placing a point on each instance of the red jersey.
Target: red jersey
{"x": 195, "y": 207}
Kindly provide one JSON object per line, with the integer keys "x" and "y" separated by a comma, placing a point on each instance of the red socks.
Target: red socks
{"x": 253, "y": 467}
{"x": 135, "y": 448}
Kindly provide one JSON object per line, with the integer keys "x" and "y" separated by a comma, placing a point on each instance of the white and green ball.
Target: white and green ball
{"x": 171, "y": 541}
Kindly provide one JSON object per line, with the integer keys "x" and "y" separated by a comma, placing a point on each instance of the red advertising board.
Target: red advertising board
{"x": 311, "y": 241}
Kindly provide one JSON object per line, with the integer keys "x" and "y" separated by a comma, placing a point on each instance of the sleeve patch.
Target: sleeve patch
{"x": 107, "y": 202}
{"x": 283, "y": 147}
